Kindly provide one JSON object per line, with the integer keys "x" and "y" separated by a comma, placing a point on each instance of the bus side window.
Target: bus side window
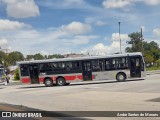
{"x": 45, "y": 67}
{"x": 113, "y": 65}
{"x": 24, "y": 70}
{"x": 101, "y": 65}
{"x": 95, "y": 66}
{"x": 68, "y": 66}
{"x": 60, "y": 66}
{"x": 107, "y": 64}
{"x": 75, "y": 66}
{"x": 121, "y": 63}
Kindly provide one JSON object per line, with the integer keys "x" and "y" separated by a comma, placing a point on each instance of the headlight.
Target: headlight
{"x": 3, "y": 76}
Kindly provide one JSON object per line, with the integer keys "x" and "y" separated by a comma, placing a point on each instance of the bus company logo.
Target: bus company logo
{"x": 6, "y": 114}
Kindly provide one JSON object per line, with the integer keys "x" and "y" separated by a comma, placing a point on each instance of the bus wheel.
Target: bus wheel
{"x": 121, "y": 77}
{"x": 61, "y": 81}
{"x": 48, "y": 82}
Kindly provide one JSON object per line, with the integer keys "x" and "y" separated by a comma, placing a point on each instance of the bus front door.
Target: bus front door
{"x": 87, "y": 73}
{"x": 135, "y": 66}
{"x": 33, "y": 72}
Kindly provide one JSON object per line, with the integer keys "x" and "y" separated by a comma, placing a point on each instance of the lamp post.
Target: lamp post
{"x": 142, "y": 40}
{"x": 120, "y": 37}
{"x": 2, "y": 57}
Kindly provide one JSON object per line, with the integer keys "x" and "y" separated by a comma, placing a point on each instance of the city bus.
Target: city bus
{"x": 3, "y": 78}
{"x": 63, "y": 71}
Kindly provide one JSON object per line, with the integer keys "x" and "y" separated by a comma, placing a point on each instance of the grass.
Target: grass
{"x": 153, "y": 68}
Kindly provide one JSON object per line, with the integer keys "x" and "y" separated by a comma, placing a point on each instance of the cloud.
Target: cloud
{"x": 114, "y": 47}
{"x": 123, "y": 3}
{"x": 115, "y": 37}
{"x": 63, "y": 4}
{"x": 44, "y": 53}
{"x": 12, "y": 25}
{"x": 21, "y": 8}
{"x": 3, "y": 42}
{"x": 156, "y": 32}
{"x": 101, "y": 49}
{"x": 152, "y": 2}
{"x": 116, "y": 3}
{"x": 76, "y": 28}
{"x": 63, "y": 39}
{"x": 100, "y": 23}
{"x": 78, "y": 40}
{"x": 73, "y": 2}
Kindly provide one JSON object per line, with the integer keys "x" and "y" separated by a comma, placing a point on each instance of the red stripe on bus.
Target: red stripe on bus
{"x": 41, "y": 79}
{"x": 70, "y": 77}
{"x": 93, "y": 77}
{"x": 73, "y": 77}
{"x": 80, "y": 77}
{"x": 25, "y": 80}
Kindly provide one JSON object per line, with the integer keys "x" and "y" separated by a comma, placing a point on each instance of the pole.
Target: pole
{"x": 120, "y": 37}
{"x": 142, "y": 41}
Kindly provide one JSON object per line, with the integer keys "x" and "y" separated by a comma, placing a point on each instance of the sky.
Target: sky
{"x": 76, "y": 26}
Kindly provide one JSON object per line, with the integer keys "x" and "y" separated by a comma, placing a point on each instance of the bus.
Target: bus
{"x": 63, "y": 71}
{"x": 3, "y": 78}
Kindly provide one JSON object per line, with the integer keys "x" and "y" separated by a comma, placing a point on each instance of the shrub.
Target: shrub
{"x": 16, "y": 75}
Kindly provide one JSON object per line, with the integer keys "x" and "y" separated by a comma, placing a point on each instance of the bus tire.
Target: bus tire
{"x": 60, "y": 81}
{"x": 48, "y": 82}
{"x": 121, "y": 77}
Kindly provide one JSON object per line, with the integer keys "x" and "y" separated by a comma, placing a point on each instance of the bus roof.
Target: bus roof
{"x": 79, "y": 58}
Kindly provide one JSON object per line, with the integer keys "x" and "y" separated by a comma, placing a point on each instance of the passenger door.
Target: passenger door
{"x": 33, "y": 73}
{"x": 87, "y": 72}
{"x": 135, "y": 66}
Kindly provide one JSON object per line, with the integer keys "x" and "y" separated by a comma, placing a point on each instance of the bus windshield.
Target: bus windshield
{"x": 1, "y": 72}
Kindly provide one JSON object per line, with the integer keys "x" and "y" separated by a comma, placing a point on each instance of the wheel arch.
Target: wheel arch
{"x": 46, "y": 79}
{"x": 60, "y": 77}
{"x": 121, "y": 72}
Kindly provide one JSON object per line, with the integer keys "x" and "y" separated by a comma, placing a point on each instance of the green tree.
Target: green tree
{"x": 38, "y": 56}
{"x": 3, "y": 57}
{"x": 135, "y": 40}
{"x": 55, "y": 56}
{"x": 151, "y": 49}
{"x": 29, "y": 57}
{"x": 13, "y": 57}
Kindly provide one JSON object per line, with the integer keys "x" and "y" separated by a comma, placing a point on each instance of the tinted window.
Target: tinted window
{"x": 45, "y": 67}
{"x": 142, "y": 65}
{"x": 24, "y": 70}
{"x": 107, "y": 64}
{"x": 121, "y": 63}
{"x": 1, "y": 72}
{"x": 116, "y": 63}
{"x": 95, "y": 65}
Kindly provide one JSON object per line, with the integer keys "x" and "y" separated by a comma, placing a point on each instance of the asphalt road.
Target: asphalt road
{"x": 133, "y": 95}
